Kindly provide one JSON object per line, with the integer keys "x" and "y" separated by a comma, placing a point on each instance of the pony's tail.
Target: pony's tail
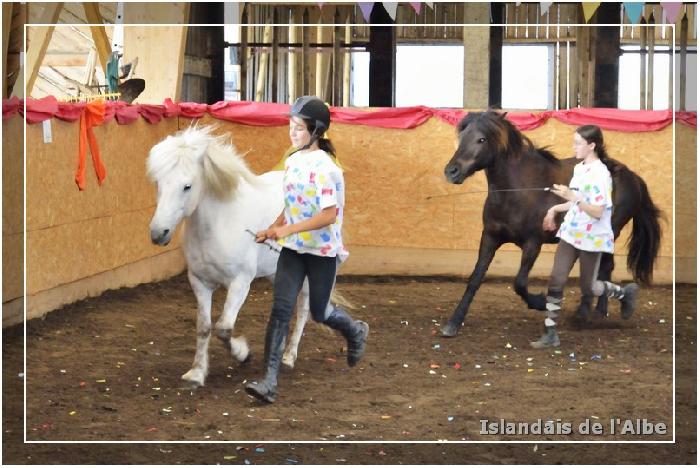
{"x": 643, "y": 244}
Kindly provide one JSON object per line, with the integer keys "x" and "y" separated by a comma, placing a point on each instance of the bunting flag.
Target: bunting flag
{"x": 633, "y": 10}
{"x": 430, "y": 4}
{"x": 544, "y": 7}
{"x": 416, "y": 6}
{"x": 589, "y": 9}
{"x": 366, "y": 8}
{"x": 671, "y": 9}
{"x": 390, "y": 8}
{"x": 320, "y": 4}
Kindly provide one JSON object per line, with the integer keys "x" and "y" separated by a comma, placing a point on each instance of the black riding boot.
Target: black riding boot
{"x": 627, "y": 296}
{"x": 354, "y": 331}
{"x": 266, "y": 390}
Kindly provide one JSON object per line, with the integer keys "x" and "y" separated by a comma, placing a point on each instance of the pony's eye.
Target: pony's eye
{"x": 481, "y": 140}
{"x": 187, "y": 187}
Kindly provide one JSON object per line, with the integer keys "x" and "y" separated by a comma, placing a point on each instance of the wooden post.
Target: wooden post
{"x": 243, "y": 54}
{"x": 684, "y": 49}
{"x": 6, "y": 26}
{"x": 104, "y": 48}
{"x": 275, "y": 55}
{"x": 382, "y": 59}
{"x": 606, "y": 55}
{"x": 651, "y": 36}
{"x": 476, "y": 40}
{"x": 583, "y": 47}
{"x": 262, "y": 69}
{"x": 671, "y": 81}
{"x": 40, "y": 42}
{"x": 346, "y": 68}
{"x": 306, "y": 54}
{"x": 292, "y": 69}
{"x": 323, "y": 59}
{"x": 337, "y": 73}
{"x": 496, "y": 55}
{"x": 643, "y": 64}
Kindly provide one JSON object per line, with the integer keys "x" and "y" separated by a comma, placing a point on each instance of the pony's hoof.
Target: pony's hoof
{"x": 537, "y": 302}
{"x": 239, "y": 349}
{"x": 449, "y": 330}
{"x": 288, "y": 361}
{"x": 194, "y": 377}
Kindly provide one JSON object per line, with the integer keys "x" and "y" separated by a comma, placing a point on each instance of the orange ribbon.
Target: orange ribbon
{"x": 93, "y": 114}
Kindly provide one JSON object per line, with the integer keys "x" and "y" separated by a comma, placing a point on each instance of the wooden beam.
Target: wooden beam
{"x": 262, "y": 69}
{"x": 643, "y": 64}
{"x": 292, "y": 73}
{"x": 274, "y": 68}
{"x": 99, "y": 35}
{"x": 684, "y": 50}
{"x": 346, "y": 68}
{"x": 651, "y": 36}
{"x": 243, "y": 54}
{"x": 337, "y": 73}
{"x": 6, "y": 25}
{"x": 306, "y": 54}
{"x": 40, "y": 42}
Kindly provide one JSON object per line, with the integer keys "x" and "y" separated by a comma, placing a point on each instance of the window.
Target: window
{"x": 528, "y": 77}
{"x": 429, "y": 75}
{"x": 628, "y": 89}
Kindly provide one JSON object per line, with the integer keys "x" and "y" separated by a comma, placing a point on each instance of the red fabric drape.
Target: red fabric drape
{"x": 269, "y": 114}
{"x": 93, "y": 114}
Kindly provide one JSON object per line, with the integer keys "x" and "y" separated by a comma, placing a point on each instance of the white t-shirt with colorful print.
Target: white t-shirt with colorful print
{"x": 584, "y": 232}
{"x": 312, "y": 182}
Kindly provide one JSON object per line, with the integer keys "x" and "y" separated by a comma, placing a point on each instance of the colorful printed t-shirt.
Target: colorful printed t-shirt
{"x": 584, "y": 232}
{"x": 313, "y": 182}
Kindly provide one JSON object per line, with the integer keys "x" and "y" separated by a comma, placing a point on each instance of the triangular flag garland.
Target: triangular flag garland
{"x": 671, "y": 9}
{"x": 416, "y": 7}
{"x": 366, "y": 8}
{"x": 390, "y": 8}
{"x": 589, "y": 9}
{"x": 633, "y": 10}
{"x": 544, "y": 7}
{"x": 429, "y": 4}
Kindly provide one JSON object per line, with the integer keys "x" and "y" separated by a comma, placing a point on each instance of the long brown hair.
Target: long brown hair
{"x": 593, "y": 134}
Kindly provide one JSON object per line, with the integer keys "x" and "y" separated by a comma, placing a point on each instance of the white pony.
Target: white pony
{"x": 200, "y": 178}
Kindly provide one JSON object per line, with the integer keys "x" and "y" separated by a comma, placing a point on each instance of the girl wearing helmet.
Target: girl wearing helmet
{"x": 309, "y": 231}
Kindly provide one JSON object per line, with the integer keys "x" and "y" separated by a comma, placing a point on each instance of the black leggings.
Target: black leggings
{"x": 564, "y": 260}
{"x": 292, "y": 268}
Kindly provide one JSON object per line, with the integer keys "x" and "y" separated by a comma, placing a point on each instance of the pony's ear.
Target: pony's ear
{"x": 503, "y": 115}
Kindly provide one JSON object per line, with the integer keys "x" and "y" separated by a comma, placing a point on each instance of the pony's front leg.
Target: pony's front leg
{"x": 290, "y": 354}
{"x": 531, "y": 250}
{"x": 200, "y": 368}
{"x": 487, "y": 249}
{"x": 237, "y": 292}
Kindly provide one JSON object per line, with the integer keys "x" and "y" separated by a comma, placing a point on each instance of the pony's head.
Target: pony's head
{"x": 186, "y": 167}
{"x": 482, "y": 137}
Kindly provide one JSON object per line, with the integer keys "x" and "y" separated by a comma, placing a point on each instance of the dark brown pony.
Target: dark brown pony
{"x": 489, "y": 142}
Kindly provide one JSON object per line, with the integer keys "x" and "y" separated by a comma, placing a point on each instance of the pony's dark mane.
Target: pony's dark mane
{"x": 491, "y": 123}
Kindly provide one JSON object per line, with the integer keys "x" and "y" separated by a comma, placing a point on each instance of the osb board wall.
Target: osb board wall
{"x": 12, "y": 209}
{"x": 72, "y": 235}
{"x": 75, "y": 236}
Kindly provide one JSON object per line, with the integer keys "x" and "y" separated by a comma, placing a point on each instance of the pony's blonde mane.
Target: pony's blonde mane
{"x": 222, "y": 167}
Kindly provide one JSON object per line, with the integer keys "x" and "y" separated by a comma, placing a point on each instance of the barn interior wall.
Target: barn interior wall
{"x": 82, "y": 243}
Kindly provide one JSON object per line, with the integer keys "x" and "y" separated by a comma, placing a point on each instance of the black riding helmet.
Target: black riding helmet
{"x": 313, "y": 109}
